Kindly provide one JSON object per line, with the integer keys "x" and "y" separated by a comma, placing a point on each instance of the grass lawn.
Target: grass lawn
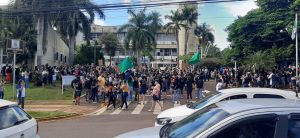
{"x": 39, "y": 115}
{"x": 41, "y": 93}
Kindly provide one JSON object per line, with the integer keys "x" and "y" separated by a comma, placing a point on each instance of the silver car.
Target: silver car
{"x": 247, "y": 118}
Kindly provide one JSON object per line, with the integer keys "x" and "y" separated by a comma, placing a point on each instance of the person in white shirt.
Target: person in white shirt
{"x": 219, "y": 85}
{"x": 26, "y": 78}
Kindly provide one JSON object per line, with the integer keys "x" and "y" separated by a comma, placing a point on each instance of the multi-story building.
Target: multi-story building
{"x": 164, "y": 54}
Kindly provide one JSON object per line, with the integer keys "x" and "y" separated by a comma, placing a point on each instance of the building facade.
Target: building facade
{"x": 164, "y": 54}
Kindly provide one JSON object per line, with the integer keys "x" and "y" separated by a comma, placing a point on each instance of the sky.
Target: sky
{"x": 218, "y": 16}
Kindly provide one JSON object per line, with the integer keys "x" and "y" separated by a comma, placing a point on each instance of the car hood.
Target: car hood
{"x": 150, "y": 132}
{"x": 178, "y": 111}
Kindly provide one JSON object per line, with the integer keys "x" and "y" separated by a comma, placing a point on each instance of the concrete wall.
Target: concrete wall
{"x": 55, "y": 45}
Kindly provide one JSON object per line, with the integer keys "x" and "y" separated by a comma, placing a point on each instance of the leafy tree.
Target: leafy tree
{"x": 261, "y": 60}
{"x": 85, "y": 54}
{"x": 110, "y": 43}
{"x": 141, "y": 30}
{"x": 268, "y": 27}
{"x": 175, "y": 25}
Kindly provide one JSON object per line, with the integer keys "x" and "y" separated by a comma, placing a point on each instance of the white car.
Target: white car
{"x": 15, "y": 122}
{"x": 242, "y": 118}
{"x": 177, "y": 113}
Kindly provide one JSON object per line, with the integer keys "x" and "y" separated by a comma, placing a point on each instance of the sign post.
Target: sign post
{"x": 14, "y": 74}
{"x": 14, "y": 46}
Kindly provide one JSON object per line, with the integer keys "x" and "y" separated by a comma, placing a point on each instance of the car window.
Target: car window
{"x": 11, "y": 116}
{"x": 268, "y": 96}
{"x": 263, "y": 127}
{"x": 203, "y": 102}
{"x": 198, "y": 122}
{"x": 240, "y": 96}
{"x": 294, "y": 127}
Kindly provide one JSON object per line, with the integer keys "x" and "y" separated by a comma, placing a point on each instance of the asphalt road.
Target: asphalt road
{"x": 107, "y": 123}
{"x": 106, "y": 126}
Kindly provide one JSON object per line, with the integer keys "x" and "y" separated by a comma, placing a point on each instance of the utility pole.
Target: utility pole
{"x": 297, "y": 74}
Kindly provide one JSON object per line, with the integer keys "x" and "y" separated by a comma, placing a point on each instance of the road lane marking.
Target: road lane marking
{"x": 118, "y": 111}
{"x": 139, "y": 108}
{"x": 157, "y": 109}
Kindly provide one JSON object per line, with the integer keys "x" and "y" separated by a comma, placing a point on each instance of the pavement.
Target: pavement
{"x": 101, "y": 122}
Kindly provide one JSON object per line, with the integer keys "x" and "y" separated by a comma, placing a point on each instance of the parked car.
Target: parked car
{"x": 15, "y": 122}
{"x": 242, "y": 118}
{"x": 177, "y": 113}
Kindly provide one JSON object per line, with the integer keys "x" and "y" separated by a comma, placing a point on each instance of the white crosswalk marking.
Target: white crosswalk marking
{"x": 139, "y": 108}
{"x": 100, "y": 111}
{"x": 157, "y": 109}
{"x": 118, "y": 111}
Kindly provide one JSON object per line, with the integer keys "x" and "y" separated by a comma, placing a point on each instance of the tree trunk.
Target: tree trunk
{"x": 177, "y": 46}
{"x": 40, "y": 35}
{"x": 186, "y": 41}
{"x": 110, "y": 61}
{"x": 72, "y": 49}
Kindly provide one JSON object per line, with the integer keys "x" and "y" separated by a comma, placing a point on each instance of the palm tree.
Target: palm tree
{"x": 67, "y": 22}
{"x": 189, "y": 17}
{"x": 175, "y": 25}
{"x": 77, "y": 20}
{"x": 205, "y": 36}
{"x": 141, "y": 30}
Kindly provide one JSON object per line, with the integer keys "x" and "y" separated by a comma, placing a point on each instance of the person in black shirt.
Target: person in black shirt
{"x": 189, "y": 88}
{"x": 136, "y": 89}
{"x": 78, "y": 89}
{"x": 88, "y": 87}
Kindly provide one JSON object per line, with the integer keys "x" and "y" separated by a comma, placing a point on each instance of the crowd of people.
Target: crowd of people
{"x": 100, "y": 84}
{"x": 106, "y": 83}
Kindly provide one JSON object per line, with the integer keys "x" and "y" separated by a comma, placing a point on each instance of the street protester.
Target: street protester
{"x": 155, "y": 96}
{"x": 78, "y": 90}
{"x": 111, "y": 95}
{"x": 136, "y": 89}
{"x": 125, "y": 90}
{"x": 2, "y": 89}
{"x": 21, "y": 93}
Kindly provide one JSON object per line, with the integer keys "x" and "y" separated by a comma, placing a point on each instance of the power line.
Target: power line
{"x": 106, "y": 7}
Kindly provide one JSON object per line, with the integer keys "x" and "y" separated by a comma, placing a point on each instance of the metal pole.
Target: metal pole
{"x": 296, "y": 46}
{"x": 14, "y": 75}
{"x": 95, "y": 54}
{"x": 235, "y": 73}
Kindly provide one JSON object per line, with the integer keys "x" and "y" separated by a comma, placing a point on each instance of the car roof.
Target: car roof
{"x": 240, "y": 105}
{"x": 6, "y": 103}
{"x": 255, "y": 90}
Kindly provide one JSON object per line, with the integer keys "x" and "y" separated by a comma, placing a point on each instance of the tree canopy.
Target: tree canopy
{"x": 267, "y": 28}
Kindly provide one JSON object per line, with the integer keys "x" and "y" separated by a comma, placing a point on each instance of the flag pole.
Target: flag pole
{"x": 296, "y": 45}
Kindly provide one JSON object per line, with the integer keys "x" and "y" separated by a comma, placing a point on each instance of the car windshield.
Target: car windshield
{"x": 11, "y": 116}
{"x": 198, "y": 122}
{"x": 204, "y": 101}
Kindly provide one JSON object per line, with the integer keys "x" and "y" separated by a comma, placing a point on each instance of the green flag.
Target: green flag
{"x": 125, "y": 65}
{"x": 195, "y": 59}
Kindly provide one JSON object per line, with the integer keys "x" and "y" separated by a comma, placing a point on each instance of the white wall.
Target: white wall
{"x": 55, "y": 45}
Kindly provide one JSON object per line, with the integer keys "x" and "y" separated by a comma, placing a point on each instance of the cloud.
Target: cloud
{"x": 4, "y": 2}
{"x": 240, "y": 8}
{"x": 220, "y": 37}
{"x": 99, "y": 22}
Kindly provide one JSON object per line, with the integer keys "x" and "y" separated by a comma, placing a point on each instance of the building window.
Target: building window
{"x": 61, "y": 57}
{"x": 65, "y": 59}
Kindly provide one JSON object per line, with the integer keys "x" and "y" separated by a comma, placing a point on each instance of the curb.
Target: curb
{"x": 72, "y": 115}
